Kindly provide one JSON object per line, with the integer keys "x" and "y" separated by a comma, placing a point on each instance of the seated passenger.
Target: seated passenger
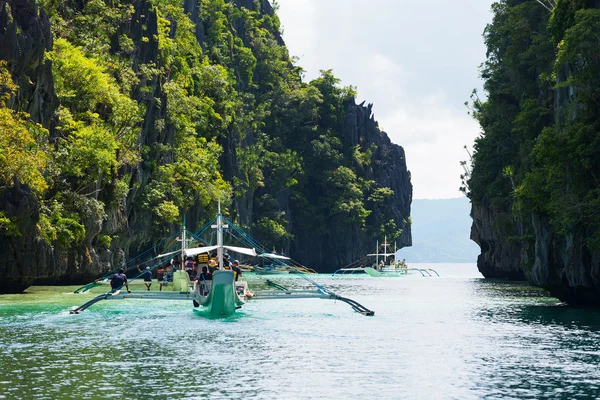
{"x": 205, "y": 275}
{"x": 212, "y": 265}
{"x": 118, "y": 280}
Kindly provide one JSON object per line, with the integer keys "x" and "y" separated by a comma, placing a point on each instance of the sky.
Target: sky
{"x": 416, "y": 61}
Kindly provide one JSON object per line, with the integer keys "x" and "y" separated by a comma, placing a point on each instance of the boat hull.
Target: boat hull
{"x": 386, "y": 272}
{"x": 222, "y": 299}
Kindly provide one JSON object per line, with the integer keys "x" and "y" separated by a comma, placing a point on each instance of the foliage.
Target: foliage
{"x": 22, "y": 143}
{"x": 58, "y": 225}
{"x": 546, "y": 155}
{"x": 161, "y": 115}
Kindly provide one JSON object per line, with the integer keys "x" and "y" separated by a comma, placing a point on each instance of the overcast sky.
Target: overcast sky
{"x": 416, "y": 61}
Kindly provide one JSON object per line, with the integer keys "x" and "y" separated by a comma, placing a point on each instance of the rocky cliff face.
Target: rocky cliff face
{"x": 25, "y": 37}
{"x": 552, "y": 244}
{"x": 341, "y": 246}
{"x": 562, "y": 264}
{"x": 565, "y": 266}
{"x": 499, "y": 258}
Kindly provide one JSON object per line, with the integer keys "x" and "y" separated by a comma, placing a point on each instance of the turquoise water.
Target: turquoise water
{"x": 454, "y": 337}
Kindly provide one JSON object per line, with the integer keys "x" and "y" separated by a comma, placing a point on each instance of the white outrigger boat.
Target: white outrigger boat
{"x": 223, "y": 295}
{"x": 381, "y": 268}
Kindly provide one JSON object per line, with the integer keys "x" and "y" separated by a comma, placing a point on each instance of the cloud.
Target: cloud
{"x": 298, "y": 20}
{"x": 433, "y": 134}
{"x": 415, "y": 61}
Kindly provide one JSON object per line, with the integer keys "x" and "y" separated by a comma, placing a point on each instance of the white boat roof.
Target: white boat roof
{"x": 271, "y": 255}
{"x": 199, "y": 250}
{"x": 167, "y": 254}
{"x": 194, "y": 251}
{"x": 241, "y": 250}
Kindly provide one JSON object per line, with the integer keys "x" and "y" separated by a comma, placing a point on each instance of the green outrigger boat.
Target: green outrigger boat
{"x": 222, "y": 295}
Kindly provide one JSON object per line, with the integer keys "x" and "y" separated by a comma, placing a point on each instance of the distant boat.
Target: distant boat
{"x": 381, "y": 267}
{"x": 277, "y": 264}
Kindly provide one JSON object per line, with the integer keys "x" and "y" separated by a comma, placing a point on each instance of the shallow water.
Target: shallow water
{"x": 453, "y": 337}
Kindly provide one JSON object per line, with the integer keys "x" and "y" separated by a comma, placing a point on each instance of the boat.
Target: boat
{"x": 381, "y": 267}
{"x": 278, "y": 264}
{"x": 223, "y": 295}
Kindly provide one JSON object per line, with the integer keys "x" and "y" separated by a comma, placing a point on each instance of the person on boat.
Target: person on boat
{"x": 203, "y": 278}
{"x": 212, "y": 265}
{"x": 189, "y": 266}
{"x": 226, "y": 262}
{"x": 205, "y": 275}
{"x": 167, "y": 276}
{"x": 213, "y": 257}
{"x": 118, "y": 280}
{"x": 195, "y": 273}
{"x": 160, "y": 274}
{"x": 381, "y": 265}
{"x": 237, "y": 272}
{"x": 147, "y": 274}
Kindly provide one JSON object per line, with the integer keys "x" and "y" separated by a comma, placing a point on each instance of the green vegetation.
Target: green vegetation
{"x": 540, "y": 148}
{"x": 22, "y": 144}
{"x": 160, "y": 114}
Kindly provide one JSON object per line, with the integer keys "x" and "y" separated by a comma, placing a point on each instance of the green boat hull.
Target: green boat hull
{"x": 222, "y": 299}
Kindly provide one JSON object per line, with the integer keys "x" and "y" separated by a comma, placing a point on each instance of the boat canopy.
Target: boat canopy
{"x": 241, "y": 250}
{"x": 277, "y": 256}
{"x": 167, "y": 254}
{"x": 199, "y": 250}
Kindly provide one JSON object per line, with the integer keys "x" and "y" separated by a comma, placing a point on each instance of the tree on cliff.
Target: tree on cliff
{"x": 163, "y": 110}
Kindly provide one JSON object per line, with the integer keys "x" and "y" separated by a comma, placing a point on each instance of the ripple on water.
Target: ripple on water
{"x": 456, "y": 338}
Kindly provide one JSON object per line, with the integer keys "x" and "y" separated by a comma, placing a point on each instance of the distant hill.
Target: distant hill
{"x": 440, "y": 232}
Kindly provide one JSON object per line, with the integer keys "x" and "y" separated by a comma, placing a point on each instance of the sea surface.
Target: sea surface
{"x": 453, "y": 337}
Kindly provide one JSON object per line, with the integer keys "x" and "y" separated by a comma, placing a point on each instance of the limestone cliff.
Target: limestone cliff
{"x": 499, "y": 258}
{"x": 534, "y": 185}
{"x": 340, "y": 246}
{"x": 129, "y": 223}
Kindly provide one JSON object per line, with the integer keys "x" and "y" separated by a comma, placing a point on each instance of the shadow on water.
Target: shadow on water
{"x": 561, "y": 315}
{"x": 521, "y": 303}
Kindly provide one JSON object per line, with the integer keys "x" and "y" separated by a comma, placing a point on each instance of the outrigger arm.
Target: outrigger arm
{"x": 319, "y": 293}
